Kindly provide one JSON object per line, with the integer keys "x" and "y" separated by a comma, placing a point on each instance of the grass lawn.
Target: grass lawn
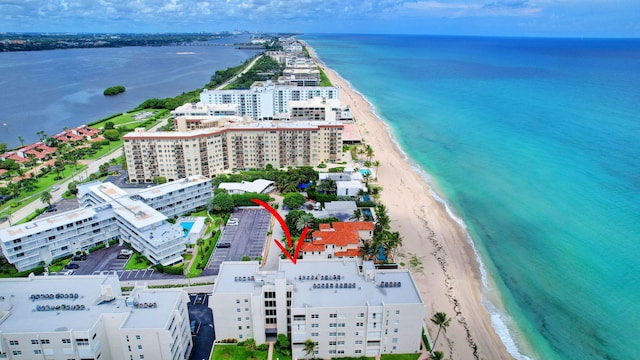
{"x": 400, "y": 356}
{"x": 137, "y": 262}
{"x": 194, "y": 270}
{"x": 233, "y": 351}
{"x": 58, "y": 265}
{"x": 104, "y": 149}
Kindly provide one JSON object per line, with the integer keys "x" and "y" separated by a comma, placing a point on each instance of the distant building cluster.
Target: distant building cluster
{"x": 107, "y": 213}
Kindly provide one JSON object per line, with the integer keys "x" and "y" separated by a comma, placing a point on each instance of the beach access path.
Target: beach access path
{"x": 450, "y": 280}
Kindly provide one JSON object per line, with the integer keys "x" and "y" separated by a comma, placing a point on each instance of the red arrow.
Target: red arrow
{"x": 285, "y": 228}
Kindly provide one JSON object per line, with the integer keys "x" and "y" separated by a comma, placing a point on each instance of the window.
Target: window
{"x": 68, "y": 341}
{"x": 333, "y": 316}
{"x": 316, "y": 325}
{"x": 358, "y": 342}
{"x": 314, "y": 334}
{"x": 238, "y": 310}
{"x": 358, "y": 351}
{"x": 394, "y": 340}
{"x": 237, "y": 301}
{"x": 141, "y": 356}
{"x": 16, "y": 352}
{"x": 314, "y": 316}
{"x": 37, "y": 351}
{"x": 395, "y": 330}
{"x": 81, "y": 342}
{"x": 139, "y": 347}
{"x": 137, "y": 337}
{"x": 45, "y": 341}
{"x": 360, "y": 315}
{"x": 359, "y": 324}
{"x": 397, "y": 312}
{"x": 14, "y": 342}
{"x": 35, "y": 342}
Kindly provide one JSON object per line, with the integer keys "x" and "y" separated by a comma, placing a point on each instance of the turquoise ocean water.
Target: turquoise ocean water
{"x": 535, "y": 144}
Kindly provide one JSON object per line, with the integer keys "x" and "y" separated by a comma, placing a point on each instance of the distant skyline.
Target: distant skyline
{"x": 573, "y": 18}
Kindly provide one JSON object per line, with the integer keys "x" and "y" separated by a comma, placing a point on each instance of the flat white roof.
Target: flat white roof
{"x": 51, "y": 222}
{"x": 164, "y": 189}
{"x": 258, "y": 185}
{"x": 350, "y": 290}
{"x": 136, "y": 212}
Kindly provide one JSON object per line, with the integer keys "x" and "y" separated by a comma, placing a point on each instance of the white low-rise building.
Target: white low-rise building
{"x": 109, "y": 213}
{"x": 346, "y": 312}
{"x": 260, "y": 186}
{"x": 87, "y": 317}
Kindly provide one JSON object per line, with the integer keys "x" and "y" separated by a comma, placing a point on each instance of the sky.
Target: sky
{"x": 572, "y": 18}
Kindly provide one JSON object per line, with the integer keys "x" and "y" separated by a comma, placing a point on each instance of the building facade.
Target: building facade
{"x": 345, "y": 311}
{"x": 87, "y": 317}
{"x": 266, "y": 100}
{"x": 338, "y": 240}
{"x": 216, "y": 150}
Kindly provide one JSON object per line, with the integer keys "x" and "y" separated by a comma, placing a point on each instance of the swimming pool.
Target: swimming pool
{"x": 365, "y": 172}
{"x": 366, "y": 198}
{"x": 367, "y": 214}
{"x": 186, "y": 225}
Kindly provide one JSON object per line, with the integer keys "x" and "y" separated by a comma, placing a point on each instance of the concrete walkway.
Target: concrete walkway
{"x": 270, "y": 353}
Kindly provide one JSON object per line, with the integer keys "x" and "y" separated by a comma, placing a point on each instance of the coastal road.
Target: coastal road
{"x": 221, "y": 86}
{"x": 92, "y": 167}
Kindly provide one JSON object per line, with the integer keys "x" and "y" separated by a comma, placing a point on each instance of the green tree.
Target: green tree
{"x": 45, "y": 197}
{"x": 443, "y": 322}
{"x": 293, "y": 200}
{"x": 109, "y": 125}
{"x": 222, "y": 202}
{"x": 111, "y": 134}
{"x": 41, "y": 135}
{"x": 3, "y": 147}
{"x": 357, "y": 215}
{"x": 282, "y": 344}
{"x": 437, "y": 355}
{"x": 309, "y": 347}
{"x": 250, "y": 344}
{"x": 21, "y": 139}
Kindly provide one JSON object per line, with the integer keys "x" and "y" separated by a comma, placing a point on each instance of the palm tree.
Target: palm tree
{"x": 361, "y": 151}
{"x": 369, "y": 151}
{"x": 367, "y": 250}
{"x": 443, "y": 322}
{"x": 376, "y": 164}
{"x": 309, "y": 347}
{"x": 305, "y": 220}
{"x": 45, "y": 197}
{"x": 357, "y": 215}
{"x": 437, "y": 355}
{"x": 21, "y": 139}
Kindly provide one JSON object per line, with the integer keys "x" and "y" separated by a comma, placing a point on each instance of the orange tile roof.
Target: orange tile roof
{"x": 341, "y": 233}
{"x": 311, "y": 247}
{"x": 324, "y": 226}
{"x": 348, "y": 252}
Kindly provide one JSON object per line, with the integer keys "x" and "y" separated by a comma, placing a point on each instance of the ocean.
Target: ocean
{"x": 535, "y": 145}
{"x": 49, "y": 90}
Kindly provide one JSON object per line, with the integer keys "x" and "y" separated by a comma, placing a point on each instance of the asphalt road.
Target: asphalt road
{"x": 203, "y": 339}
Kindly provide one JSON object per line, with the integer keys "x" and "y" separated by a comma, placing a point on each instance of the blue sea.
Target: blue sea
{"x": 535, "y": 145}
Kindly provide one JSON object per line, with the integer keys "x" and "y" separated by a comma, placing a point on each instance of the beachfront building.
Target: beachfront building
{"x": 266, "y": 100}
{"x": 109, "y": 213}
{"x": 338, "y": 240}
{"x": 87, "y": 317}
{"x": 348, "y": 183}
{"x": 216, "y": 150}
{"x": 319, "y": 109}
{"x": 345, "y": 311}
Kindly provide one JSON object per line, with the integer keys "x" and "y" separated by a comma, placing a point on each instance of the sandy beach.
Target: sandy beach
{"x": 450, "y": 281}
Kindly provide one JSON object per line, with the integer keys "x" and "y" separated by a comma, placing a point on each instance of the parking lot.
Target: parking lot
{"x": 106, "y": 261}
{"x": 247, "y": 238}
{"x": 201, "y": 315}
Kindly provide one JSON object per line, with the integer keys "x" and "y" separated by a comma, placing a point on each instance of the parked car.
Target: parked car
{"x": 199, "y": 299}
{"x": 79, "y": 257}
{"x": 72, "y": 266}
{"x": 224, "y": 245}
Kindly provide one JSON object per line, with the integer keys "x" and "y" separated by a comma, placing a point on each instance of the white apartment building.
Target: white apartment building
{"x": 344, "y": 311}
{"x": 266, "y": 100}
{"x": 319, "y": 109}
{"x": 108, "y": 213}
{"x": 199, "y": 110}
{"x": 212, "y": 151}
{"x": 87, "y": 317}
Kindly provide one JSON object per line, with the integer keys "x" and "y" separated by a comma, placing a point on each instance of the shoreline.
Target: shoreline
{"x": 452, "y": 280}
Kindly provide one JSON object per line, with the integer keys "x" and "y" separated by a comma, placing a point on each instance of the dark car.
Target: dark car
{"x": 199, "y": 299}
{"x": 72, "y": 266}
{"x": 224, "y": 245}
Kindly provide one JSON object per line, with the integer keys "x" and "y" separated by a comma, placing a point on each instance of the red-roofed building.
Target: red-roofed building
{"x": 81, "y": 132}
{"x": 338, "y": 239}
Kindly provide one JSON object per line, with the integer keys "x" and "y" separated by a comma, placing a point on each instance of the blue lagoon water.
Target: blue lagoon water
{"x": 535, "y": 144}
